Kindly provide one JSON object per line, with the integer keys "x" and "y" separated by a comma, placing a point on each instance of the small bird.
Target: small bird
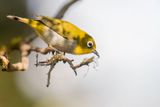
{"x": 61, "y": 35}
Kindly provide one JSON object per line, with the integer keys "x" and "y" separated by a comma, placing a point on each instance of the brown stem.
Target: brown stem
{"x": 64, "y": 9}
{"x": 60, "y": 57}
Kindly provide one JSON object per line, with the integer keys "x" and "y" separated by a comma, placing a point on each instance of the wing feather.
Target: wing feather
{"x": 63, "y": 28}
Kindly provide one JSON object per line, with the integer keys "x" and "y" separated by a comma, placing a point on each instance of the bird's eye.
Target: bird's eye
{"x": 89, "y": 44}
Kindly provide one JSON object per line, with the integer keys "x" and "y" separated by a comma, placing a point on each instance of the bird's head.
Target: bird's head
{"x": 85, "y": 45}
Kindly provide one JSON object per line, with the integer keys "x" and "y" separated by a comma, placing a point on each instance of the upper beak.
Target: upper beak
{"x": 95, "y": 52}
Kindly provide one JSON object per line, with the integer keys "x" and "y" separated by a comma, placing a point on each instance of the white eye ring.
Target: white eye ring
{"x": 89, "y": 44}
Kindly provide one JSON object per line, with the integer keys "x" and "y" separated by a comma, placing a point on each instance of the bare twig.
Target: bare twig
{"x": 25, "y": 49}
{"x": 64, "y": 9}
{"x": 49, "y": 74}
{"x": 60, "y": 57}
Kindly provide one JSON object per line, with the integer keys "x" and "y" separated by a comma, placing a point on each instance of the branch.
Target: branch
{"x": 19, "y": 66}
{"x": 61, "y": 58}
{"x": 64, "y": 9}
{"x": 25, "y": 49}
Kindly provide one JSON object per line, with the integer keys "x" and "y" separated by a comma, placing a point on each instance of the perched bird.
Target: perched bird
{"x": 61, "y": 35}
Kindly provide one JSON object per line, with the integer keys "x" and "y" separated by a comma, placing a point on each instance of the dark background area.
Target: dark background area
{"x": 8, "y": 29}
{"x": 10, "y": 96}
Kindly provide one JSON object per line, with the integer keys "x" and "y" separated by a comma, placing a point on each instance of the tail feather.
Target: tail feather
{"x": 33, "y": 23}
{"x": 20, "y": 19}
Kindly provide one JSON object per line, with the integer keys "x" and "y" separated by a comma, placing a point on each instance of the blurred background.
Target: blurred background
{"x": 127, "y": 75}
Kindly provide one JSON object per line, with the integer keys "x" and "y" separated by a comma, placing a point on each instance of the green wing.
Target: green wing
{"x": 63, "y": 28}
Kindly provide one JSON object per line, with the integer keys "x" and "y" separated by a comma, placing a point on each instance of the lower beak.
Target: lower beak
{"x": 96, "y": 53}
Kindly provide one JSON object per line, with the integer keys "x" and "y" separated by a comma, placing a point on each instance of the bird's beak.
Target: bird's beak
{"x": 96, "y": 53}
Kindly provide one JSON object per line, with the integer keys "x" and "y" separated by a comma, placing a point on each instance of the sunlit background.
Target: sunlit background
{"x": 128, "y": 40}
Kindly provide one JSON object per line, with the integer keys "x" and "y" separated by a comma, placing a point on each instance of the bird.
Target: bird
{"x": 60, "y": 34}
